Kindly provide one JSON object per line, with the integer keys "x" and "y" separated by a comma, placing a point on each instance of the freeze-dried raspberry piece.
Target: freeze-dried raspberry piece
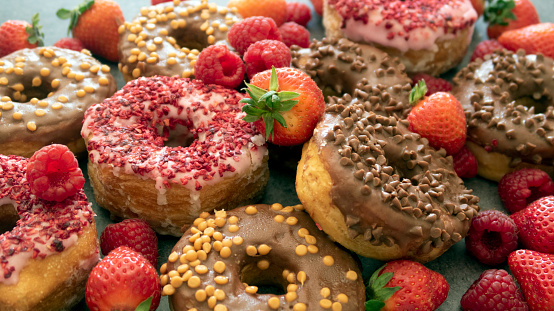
{"x": 217, "y": 65}
{"x": 252, "y": 29}
{"x": 263, "y": 54}
{"x": 522, "y": 187}
{"x": 53, "y": 173}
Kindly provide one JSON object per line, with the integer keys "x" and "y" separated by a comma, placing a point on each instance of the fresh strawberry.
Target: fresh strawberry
{"x": 16, "y": 35}
{"x": 409, "y": 286}
{"x": 318, "y": 6}
{"x": 536, "y": 225}
{"x": 285, "y": 104}
{"x": 485, "y": 47}
{"x": 534, "y": 39}
{"x": 70, "y": 43}
{"x": 134, "y": 233}
{"x": 432, "y": 83}
{"x": 54, "y": 174}
{"x": 276, "y": 9}
{"x": 121, "y": 281}
{"x": 479, "y": 6}
{"x": 439, "y": 118}
{"x": 534, "y": 272}
{"x": 95, "y": 23}
{"x": 503, "y": 15}
{"x": 494, "y": 290}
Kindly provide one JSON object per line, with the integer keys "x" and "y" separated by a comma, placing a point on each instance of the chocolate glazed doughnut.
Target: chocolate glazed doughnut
{"x": 342, "y": 66}
{"x": 222, "y": 258}
{"x": 510, "y": 111}
{"x": 379, "y": 189}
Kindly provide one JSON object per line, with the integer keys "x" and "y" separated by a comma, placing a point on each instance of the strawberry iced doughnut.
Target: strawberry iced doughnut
{"x": 47, "y": 248}
{"x": 165, "y": 149}
{"x": 165, "y": 39}
{"x": 509, "y": 108}
{"x": 44, "y": 93}
{"x": 428, "y": 36}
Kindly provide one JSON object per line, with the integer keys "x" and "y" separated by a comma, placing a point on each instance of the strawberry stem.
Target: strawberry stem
{"x": 35, "y": 36}
{"x": 418, "y": 92}
{"x": 376, "y": 292}
{"x": 74, "y": 14}
{"x": 499, "y": 12}
{"x": 145, "y": 305}
{"x": 268, "y": 104}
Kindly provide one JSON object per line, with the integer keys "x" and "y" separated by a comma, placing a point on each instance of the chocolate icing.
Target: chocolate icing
{"x": 166, "y": 39}
{"x": 44, "y": 93}
{"x": 391, "y": 187}
{"x": 345, "y": 66}
{"x": 281, "y": 246}
{"x": 488, "y": 91}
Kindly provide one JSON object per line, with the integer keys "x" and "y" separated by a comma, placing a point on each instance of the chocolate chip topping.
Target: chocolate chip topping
{"x": 342, "y": 65}
{"x": 222, "y": 258}
{"x": 391, "y": 187}
{"x": 509, "y": 105}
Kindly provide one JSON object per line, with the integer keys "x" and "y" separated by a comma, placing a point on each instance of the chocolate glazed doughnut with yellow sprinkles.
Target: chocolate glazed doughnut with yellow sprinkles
{"x": 222, "y": 260}
{"x": 166, "y": 39}
{"x": 44, "y": 93}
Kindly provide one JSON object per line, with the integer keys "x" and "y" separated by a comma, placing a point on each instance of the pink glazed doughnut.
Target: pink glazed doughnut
{"x": 428, "y": 36}
{"x": 166, "y": 149}
{"x": 47, "y": 249}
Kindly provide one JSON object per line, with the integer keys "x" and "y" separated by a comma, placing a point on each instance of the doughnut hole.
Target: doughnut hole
{"x": 23, "y": 90}
{"x": 177, "y": 135}
{"x": 8, "y": 218}
{"x": 269, "y": 281}
{"x": 190, "y": 39}
{"x": 539, "y": 104}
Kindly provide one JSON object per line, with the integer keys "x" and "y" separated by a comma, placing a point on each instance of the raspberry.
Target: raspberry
{"x": 70, "y": 43}
{"x": 494, "y": 290}
{"x": 299, "y": 13}
{"x": 242, "y": 34}
{"x": 293, "y": 33}
{"x": 465, "y": 163}
{"x": 275, "y": 9}
{"x": 54, "y": 174}
{"x": 522, "y": 187}
{"x": 434, "y": 84}
{"x": 491, "y": 237}
{"x": 263, "y": 54}
{"x": 318, "y": 6}
{"x": 485, "y": 48}
{"x": 217, "y": 65}
{"x": 134, "y": 233}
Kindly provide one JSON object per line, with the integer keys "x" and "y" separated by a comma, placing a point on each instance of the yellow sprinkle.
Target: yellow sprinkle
{"x": 290, "y": 296}
{"x": 79, "y": 77}
{"x": 34, "y": 100}
{"x": 186, "y": 74}
{"x": 9, "y": 70}
{"x": 71, "y": 75}
{"x": 55, "y": 83}
{"x": 94, "y": 69}
{"x": 342, "y": 298}
{"x": 263, "y": 264}
{"x": 103, "y": 81}
{"x": 105, "y": 68}
{"x": 31, "y": 126}
{"x": 45, "y": 72}
{"x": 40, "y": 112}
{"x": 85, "y": 66}
{"x": 171, "y": 61}
{"x": 121, "y": 29}
{"x": 252, "y": 290}
{"x": 81, "y": 93}
{"x": 325, "y": 303}
{"x": 17, "y": 115}
{"x": 3, "y": 81}
{"x": 325, "y": 292}
{"x": 151, "y": 60}
{"x": 131, "y": 37}
{"x": 18, "y": 71}
{"x": 301, "y": 250}
{"x": 7, "y": 106}
{"x": 19, "y": 65}
{"x": 279, "y": 218}
{"x": 292, "y": 221}
{"x": 18, "y": 87}
{"x": 158, "y": 40}
{"x": 313, "y": 249}
{"x": 65, "y": 71}
{"x": 36, "y": 82}
{"x": 43, "y": 104}
{"x": 62, "y": 99}
{"x": 299, "y": 307}
{"x": 132, "y": 59}
{"x": 168, "y": 290}
{"x": 273, "y": 303}
{"x": 328, "y": 261}
{"x": 88, "y": 89}
{"x": 194, "y": 282}
{"x": 351, "y": 275}
{"x": 57, "y": 106}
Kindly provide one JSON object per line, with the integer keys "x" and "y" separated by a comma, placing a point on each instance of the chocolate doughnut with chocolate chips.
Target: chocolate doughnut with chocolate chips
{"x": 166, "y": 39}
{"x": 379, "y": 189}
{"x": 342, "y": 66}
{"x": 510, "y": 111}
{"x": 221, "y": 261}
{"x": 44, "y": 93}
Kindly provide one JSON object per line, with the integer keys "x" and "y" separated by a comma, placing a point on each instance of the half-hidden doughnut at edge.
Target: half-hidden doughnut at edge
{"x": 44, "y": 93}
{"x": 509, "y": 108}
{"x": 222, "y": 259}
{"x": 165, "y": 149}
{"x": 166, "y": 39}
{"x": 47, "y": 256}
{"x": 430, "y": 36}
{"x": 379, "y": 189}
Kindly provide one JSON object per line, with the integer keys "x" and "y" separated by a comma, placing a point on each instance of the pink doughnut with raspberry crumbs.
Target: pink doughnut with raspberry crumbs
{"x": 165, "y": 149}
{"x": 428, "y": 36}
{"x": 47, "y": 255}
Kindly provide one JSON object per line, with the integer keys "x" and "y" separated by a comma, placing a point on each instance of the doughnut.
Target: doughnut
{"x": 165, "y": 149}
{"x": 46, "y": 257}
{"x": 166, "y": 39}
{"x": 224, "y": 261}
{"x": 44, "y": 93}
{"x": 341, "y": 66}
{"x": 509, "y": 107}
{"x": 430, "y": 36}
{"x": 379, "y": 189}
